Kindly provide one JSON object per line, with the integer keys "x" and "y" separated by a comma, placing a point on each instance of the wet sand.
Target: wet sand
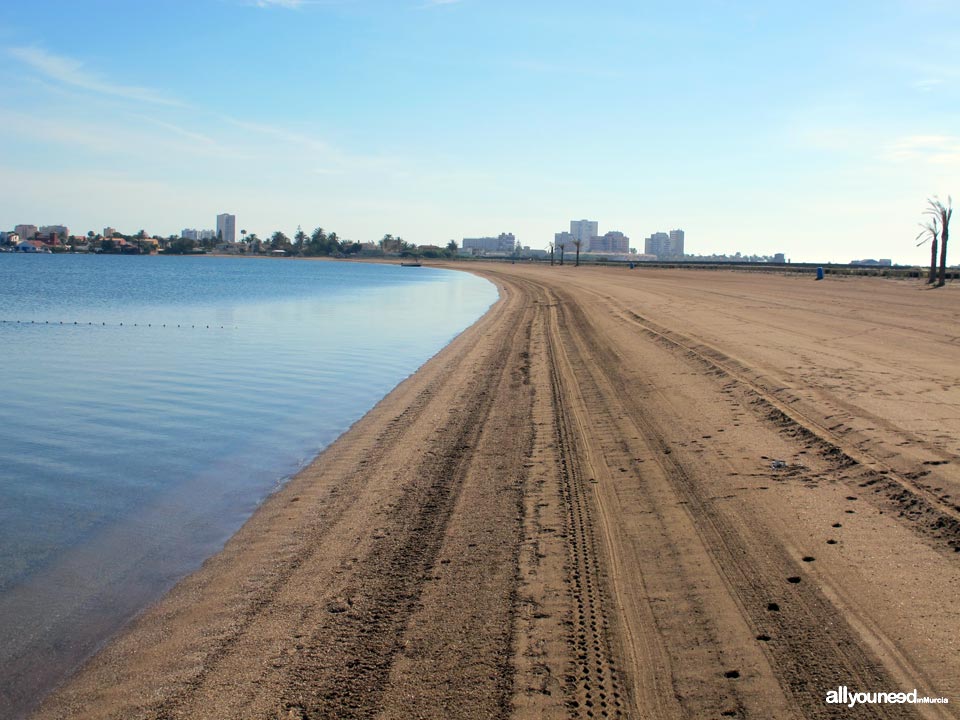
{"x": 620, "y": 494}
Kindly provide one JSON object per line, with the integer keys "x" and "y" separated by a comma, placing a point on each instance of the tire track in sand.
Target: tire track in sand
{"x": 813, "y": 642}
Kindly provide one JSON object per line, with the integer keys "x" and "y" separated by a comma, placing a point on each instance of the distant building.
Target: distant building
{"x": 657, "y": 244}
{"x": 665, "y": 245}
{"x": 60, "y": 230}
{"x": 227, "y": 228}
{"x": 191, "y": 234}
{"x": 779, "y": 258}
{"x": 26, "y": 232}
{"x": 870, "y": 261}
{"x": 503, "y": 243}
{"x": 676, "y": 243}
{"x": 584, "y": 231}
{"x": 50, "y": 239}
{"x": 32, "y": 246}
{"x": 611, "y": 242}
{"x": 563, "y": 239}
{"x": 108, "y": 232}
{"x": 10, "y": 238}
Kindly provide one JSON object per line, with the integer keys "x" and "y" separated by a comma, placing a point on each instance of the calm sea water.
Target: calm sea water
{"x": 149, "y": 404}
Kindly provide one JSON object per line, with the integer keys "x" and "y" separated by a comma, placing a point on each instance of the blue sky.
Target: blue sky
{"x": 815, "y": 129}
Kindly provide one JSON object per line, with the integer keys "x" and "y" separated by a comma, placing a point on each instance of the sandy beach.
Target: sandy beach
{"x": 620, "y": 494}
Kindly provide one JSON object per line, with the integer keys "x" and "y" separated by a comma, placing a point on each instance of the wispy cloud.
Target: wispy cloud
{"x": 69, "y": 71}
{"x": 279, "y": 133}
{"x": 546, "y": 67}
{"x": 291, "y": 4}
{"x": 935, "y": 149}
{"x": 297, "y": 4}
{"x": 117, "y": 138}
{"x": 204, "y": 143}
{"x": 928, "y": 84}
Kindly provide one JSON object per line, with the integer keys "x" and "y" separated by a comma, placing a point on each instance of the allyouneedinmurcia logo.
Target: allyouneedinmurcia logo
{"x": 844, "y": 696}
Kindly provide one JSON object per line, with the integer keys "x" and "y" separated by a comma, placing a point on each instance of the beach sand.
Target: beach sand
{"x": 648, "y": 493}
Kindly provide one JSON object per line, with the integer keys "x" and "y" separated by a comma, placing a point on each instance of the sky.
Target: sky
{"x": 816, "y": 129}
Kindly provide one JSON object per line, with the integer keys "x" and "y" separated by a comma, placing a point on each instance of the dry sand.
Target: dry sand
{"x": 572, "y": 511}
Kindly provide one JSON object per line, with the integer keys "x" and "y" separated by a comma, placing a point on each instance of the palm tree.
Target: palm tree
{"x": 576, "y": 244}
{"x": 943, "y": 214}
{"x": 562, "y": 246}
{"x": 551, "y": 254}
{"x": 931, "y": 230}
{"x": 299, "y": 238}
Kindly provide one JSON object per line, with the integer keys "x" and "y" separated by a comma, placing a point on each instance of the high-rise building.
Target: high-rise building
{"x": 563, "y": 239}
{"x": 611, "y": 242}
{"x": 26, "y": 232}
{"x": 676, "y": 243}
{"x": 657, "y": 244}
{"x": 583, "y": 230}
{"x": 227, "y": 228}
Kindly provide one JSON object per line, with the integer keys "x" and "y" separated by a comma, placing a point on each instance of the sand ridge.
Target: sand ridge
{"x": 619, "y": 494}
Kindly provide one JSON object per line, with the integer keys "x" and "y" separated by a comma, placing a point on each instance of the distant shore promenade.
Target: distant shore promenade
{"x": 699, "y": 491}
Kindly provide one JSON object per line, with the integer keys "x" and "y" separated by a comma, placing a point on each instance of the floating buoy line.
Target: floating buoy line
{"x": 119, "y": 324}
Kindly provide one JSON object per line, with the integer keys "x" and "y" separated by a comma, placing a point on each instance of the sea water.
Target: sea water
{"x": 150, "y": 403}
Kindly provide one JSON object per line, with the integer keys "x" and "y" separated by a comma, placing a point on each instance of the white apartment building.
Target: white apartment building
{"x": 665, "y": 246}
{"x": 227, "y": 227}
{"x": 504, "y": 243}
{"x": 611, "y": 242}
{"x": 583, "y": 230}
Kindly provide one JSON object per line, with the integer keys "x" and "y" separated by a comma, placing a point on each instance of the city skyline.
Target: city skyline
{"x": 757, "y": 128}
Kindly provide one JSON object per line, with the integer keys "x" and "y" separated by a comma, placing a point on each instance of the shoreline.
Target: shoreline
{"x": 497, "y": 536}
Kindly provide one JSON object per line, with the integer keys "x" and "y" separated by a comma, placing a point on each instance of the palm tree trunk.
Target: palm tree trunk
{"x": 933, "y": 261}
{"x": 942, "y": 280}
{"x": 577, "y": 263}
